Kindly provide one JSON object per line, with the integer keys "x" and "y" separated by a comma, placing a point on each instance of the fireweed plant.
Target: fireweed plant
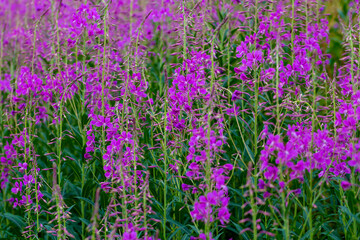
{"x": 164, "y": 119}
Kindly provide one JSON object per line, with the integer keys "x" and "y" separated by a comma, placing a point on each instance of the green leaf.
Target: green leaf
{"x": 86, "y": 200}
{"x": 17, "y": 220}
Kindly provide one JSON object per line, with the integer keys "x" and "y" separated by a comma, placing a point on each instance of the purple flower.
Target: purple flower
{"x": 203, "y": 236}
{"x": 3, "y": 160}
{"x": 185, "y": 187}
{"x": 25, "y": 199}
{"x": 223, "y": 215}
{"x": 28, "y": 179}
{"x": 17, "y": 188}
{"x": 271, "y": 173}
{"x": 130, "y": 235}
{"x": 241, "y": 50}
{"x": 126, "y": 137}
{"x": 22, "y": 167}
{"x": 345, "y": 185}
{"x": 261, "y": 184}
{"x": 236, "y": 95}
{"x": 254, "y": 58}
{"x": 100, "y": 121}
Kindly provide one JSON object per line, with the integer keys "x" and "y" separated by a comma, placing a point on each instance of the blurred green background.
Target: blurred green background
{"x": 338, "y": 14}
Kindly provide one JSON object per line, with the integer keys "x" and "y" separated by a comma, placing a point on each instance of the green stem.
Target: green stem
{"x": 184, "y": 33}
{"x": 292, "y": 30}
{"x": 164, "y": 145}
{"x": 253, "y": 205}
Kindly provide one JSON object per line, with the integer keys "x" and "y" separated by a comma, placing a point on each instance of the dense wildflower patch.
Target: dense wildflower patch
{"x": 174, "y": 119}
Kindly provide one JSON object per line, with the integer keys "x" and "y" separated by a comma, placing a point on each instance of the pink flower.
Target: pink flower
{"x": 17, "y": 188}
{"x": 28, "y": 179}
{"x": 345, "y": 185}
{"x": 271, "y": 173}
{"x": 22, "y": 167}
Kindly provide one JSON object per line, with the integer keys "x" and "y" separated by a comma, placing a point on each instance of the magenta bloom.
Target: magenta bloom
{"x": 130, "y": 235}
{"x": 28, "y": 179}
{"x": 241, "y": 50}
{"x": 17, "y": 188}
{"x": 126, "y": 137}
{"x": 345, "y": 185}
{"x": 22, "y": 167}
{"x": 271, "y": 173}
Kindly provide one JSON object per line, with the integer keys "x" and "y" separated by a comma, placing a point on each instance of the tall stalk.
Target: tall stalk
{"x": 292, "y": 30}
{"x": 256, "y": 90}
{"x": 103, "y": 78}
{"x": 184, "y": 33}
{"x": 354, "y": 89}
{"x": 164, "y": 146}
